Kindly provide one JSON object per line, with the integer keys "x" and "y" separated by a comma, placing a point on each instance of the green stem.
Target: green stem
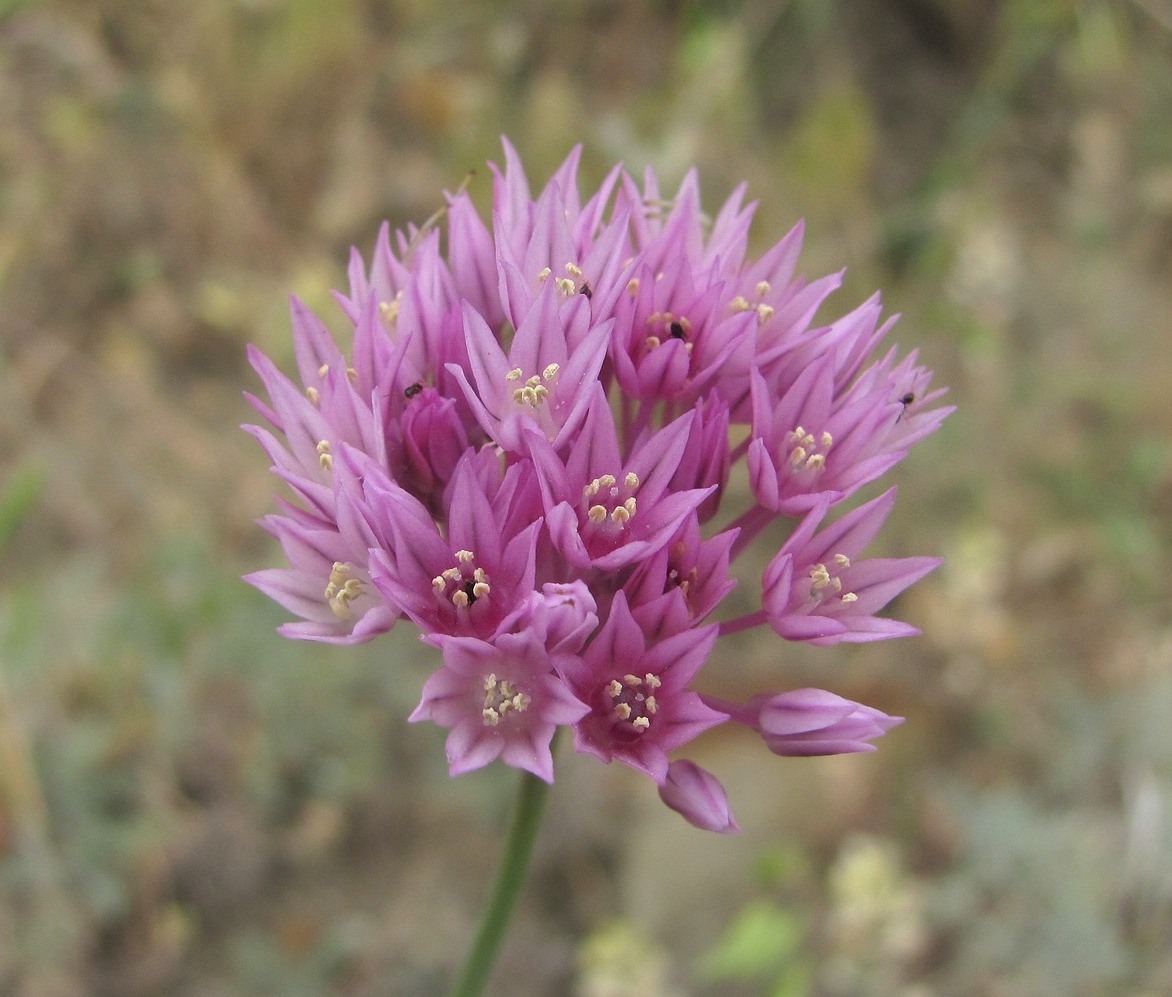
{"x": 510, "y": 877}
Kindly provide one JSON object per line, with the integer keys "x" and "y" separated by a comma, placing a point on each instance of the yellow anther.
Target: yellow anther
{"x": 623, "y": 711}
{"x": 606, "y": 481}
{"x": 439, "y": 583}
{"x": 323, "y": 370}
{"x": 567, "y": 286}
{"x": 827, "y": 441}
{"x": 573, "y": 271}
{"x": 465, "y": 556}
{"x": 619, "y": 515}
{"x": 652, "y": 342}
{"x": 596, "y": 513}
{"x": 478, "y": 575}
{"x": 629, "y": 505}
{"x": 351, "y": 375}
{"x": 615, "y": 688}
{"x": 313, "y": 395}
{"x": 842, "y": 561}
{"x": 815, "y": 462}
{"x": 650, "y": 705}
{"x": 762, "y": 288}
{"x": 797, "y": 456}
{"x": 543, "y": 274}
{"x": 460, "y": 598}
{"x": 514, "y": 374}
{"x": 342, "y": 589}
{"x": 849, "y": 597}
{"x": 633, "y": 286}
{"x": 653, "y": 681}
{"x": 480, "y": 590}
{"x": 453, "y": 574}
{"x": 764, "y": 313}
{"x": 641, "y": 723}
{"x": 631, "y": 480}
{"x": 739, "y": 304}
{"x": 550, "y": 372}
{"x": 630, "y": 679}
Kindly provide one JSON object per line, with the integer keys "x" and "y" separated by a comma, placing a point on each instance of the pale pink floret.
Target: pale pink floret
{"x": 697, "y": 795}
{"x": 500, "y": 699}
{"x": 818, "y": 589}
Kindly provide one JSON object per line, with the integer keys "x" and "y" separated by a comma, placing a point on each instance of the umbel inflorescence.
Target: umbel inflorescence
{"x": 526, "y": 451}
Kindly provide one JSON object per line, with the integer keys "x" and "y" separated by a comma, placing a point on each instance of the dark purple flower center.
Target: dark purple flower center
{"x": 632, "y": 702}
{"x": 464, "y": 583}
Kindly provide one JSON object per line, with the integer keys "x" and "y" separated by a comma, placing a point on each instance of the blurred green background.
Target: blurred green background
{"x": 191, "y": 805}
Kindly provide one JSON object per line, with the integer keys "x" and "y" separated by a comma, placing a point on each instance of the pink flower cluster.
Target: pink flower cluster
{"x": 526, "y": 453}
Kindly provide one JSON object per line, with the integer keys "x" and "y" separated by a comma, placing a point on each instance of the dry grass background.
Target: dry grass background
{"x": 189, "y": 805}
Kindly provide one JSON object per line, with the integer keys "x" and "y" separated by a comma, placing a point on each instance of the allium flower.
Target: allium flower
{"x": 698, "y": 796}
{"x": 640, "y": 706}
{"x": 817, "y": 589}
{"x": 500, "y": 699}
{"x": 812, "y": 722}
{"x": 525, "y": 446}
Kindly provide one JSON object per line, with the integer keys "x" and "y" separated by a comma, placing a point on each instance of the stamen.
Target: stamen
{"x": 514, "y": 374}
{"x": 739, "y": 304}
{"x": 567, "y": 286}
{"x": 465, "y": 556}
{"x": 762, "y": 288}
{"x": 543, "y": 275}
{"x": 501, "y": 696}
{"x": 550, "y": 372}
{"x": 573, "y": 270}
{"x": 633, "y": 286}
{"x": 323, "y": 371}
{"x": 849, "y": 597}
{"x": 342, "y": 589}
{"x": 764, "y": 313}
{"x": 596, "y": 513}
{"x": 313, "y": 395}
{"x": 631, "y": 480}
{"x": 324, "y": 457}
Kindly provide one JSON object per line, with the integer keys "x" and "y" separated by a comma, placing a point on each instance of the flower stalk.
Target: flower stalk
{"x": 506, "y": 888}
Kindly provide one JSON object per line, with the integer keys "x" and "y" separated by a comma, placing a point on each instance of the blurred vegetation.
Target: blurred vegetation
{"x": 189, "y": 805}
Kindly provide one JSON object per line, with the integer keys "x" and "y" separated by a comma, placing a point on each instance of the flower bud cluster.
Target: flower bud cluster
{"x": 525, "y": 450}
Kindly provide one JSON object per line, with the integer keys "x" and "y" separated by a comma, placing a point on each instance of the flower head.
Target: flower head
{"x": 526, "y": 452}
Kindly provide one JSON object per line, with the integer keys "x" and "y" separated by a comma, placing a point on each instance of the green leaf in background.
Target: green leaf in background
{"x": 17, "y": 499}
{"x": 762, "y": 943}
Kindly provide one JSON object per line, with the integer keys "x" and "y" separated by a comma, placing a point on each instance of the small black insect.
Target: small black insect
{"x": 677, "y": 330}
{"x": 470, "y": 591}
{"x": 412, "y": 390}
{"x": 586, "y": 290}
{"x": 905, "y": 401}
